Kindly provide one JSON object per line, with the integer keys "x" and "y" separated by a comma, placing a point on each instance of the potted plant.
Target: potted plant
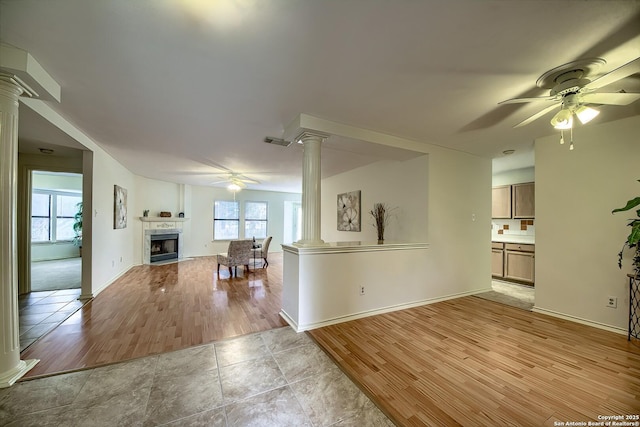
{"x": 77, "y": 227}
{"x": 633, "y": 240}
{"x": 381, "y": 214}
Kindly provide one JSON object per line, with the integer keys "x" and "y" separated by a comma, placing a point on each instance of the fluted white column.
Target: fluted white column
{"x": 311, "y": 190}
{"x": 11, "y": 367}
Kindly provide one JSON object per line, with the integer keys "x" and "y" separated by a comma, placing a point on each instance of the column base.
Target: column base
{"x": 9, "y": 378}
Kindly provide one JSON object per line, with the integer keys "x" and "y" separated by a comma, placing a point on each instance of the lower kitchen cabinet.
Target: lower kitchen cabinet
{"x": 497, "y": 259}
{"x": 519, "y": 262}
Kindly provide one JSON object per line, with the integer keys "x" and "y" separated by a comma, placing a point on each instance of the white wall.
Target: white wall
{"x": 401, "y": 185}
{"x": 322, "y": 285}
{"x": 438, "y": 197}
{"x": 459, "y": 246}
{"x": 113, "y": 249}
{"x": 515, "y": 176}
{"x": 57, "y": 181}
{"x": 577, "y": 237}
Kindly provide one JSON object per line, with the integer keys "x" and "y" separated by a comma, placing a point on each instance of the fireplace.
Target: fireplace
{"x": 162, "y": 246}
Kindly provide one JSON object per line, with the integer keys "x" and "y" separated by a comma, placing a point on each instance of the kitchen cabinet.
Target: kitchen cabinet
{"x": 497, "y": 259}
{"x": 523, "y": 200}
{"x": 501, "y": 202}
{"x": 519, "y": 262}
{"x": 515, "y": 201}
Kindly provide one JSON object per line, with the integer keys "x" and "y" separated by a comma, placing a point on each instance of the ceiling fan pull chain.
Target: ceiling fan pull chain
{"x": 561, "y": 137}
{"x": 571, "y": 145}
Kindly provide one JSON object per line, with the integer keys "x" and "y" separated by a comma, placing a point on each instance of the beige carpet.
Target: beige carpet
{"x": 520, "y": 296}
{"x": 56, "y": 274}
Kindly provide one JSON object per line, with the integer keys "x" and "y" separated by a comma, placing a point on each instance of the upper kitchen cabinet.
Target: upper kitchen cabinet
{"x": 523, "y": 200}
{"x": 513, "y": 201}
{"x": 501, "y": 202}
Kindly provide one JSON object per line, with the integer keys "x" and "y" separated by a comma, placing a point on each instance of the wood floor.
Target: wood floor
{"x": 156, "y": 309}
{"x": 475, "y": 362}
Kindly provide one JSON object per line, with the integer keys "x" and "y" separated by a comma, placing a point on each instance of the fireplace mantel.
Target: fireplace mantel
{"x": 162, "y": 218}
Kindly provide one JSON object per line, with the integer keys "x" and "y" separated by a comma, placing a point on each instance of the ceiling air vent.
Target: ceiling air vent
{"x": 277, "y": 141}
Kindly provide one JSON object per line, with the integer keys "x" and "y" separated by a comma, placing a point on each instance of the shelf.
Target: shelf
{"x": 162, "y": 219}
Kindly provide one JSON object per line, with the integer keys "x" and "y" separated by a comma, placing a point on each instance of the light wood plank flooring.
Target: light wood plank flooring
{"x": 156, "y": 309}
{"x": 475, "y": 362}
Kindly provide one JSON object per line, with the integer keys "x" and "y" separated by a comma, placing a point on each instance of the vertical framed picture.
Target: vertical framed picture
{"x": 349, "y": 211}
{"x": 119, "y": 207}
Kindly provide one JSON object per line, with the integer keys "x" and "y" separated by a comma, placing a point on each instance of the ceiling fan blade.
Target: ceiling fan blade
{"x": 247, "y": 180}
{"x": 619, "y": 73}
{"x": 520, "y": 100}
{"x": 610, "y": 98}
{"x": 538, "y": 115}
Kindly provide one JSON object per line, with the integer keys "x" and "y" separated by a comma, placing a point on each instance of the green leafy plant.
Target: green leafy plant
{"x": 77, "y": 225}
{"x": 633, "y": 240}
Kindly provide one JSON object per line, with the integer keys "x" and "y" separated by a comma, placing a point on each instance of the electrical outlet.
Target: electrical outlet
{"x": 362, "y": 290}
{"x": 113, "y": 263}
{"x": 612, "y": 302}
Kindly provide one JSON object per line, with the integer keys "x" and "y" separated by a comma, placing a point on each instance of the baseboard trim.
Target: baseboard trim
{"x": 110, "y": 282}
{"x": 289, "y": 320}
{"x": 341, "y": 319}
{"x": 580, "y": 320}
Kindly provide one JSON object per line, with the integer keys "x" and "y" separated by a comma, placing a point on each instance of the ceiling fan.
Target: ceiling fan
{"x": 574, "y": 92}
{"x": 236, "y": 181}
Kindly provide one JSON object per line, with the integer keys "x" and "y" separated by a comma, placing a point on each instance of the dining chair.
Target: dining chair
{"x": 262, "y": 251}
{"x": 239, "y": 253}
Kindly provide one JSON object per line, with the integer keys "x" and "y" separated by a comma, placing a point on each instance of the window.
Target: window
{"x": 52, "y": 215}
{"x": 40, "y": 217}
{"x": 255, "y": 219}
{"x": 226, "y": 219}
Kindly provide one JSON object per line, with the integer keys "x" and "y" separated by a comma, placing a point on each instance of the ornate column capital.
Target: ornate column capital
{"x": 307, "y": 136}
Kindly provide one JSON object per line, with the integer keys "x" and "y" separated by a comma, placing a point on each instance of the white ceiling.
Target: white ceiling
{"x": 179, "y": 89}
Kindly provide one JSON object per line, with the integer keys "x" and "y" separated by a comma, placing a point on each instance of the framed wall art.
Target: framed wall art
{"x": 119, "y": 207}
{"x": 349, "y": 211}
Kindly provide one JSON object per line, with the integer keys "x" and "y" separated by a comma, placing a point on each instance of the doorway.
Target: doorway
{"x": 55, "y": 263}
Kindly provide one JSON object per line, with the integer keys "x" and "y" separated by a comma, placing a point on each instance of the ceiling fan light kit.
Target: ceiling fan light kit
{"x": 563, "y": 119}
{"x": 234, "y": 187}
{"x": 586, "y": 114}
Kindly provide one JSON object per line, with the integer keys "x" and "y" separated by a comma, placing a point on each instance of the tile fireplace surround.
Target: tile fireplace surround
{"x": 157, "y": 225}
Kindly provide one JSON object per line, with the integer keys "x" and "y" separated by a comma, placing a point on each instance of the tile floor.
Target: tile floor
{"x": 39, "y": 312}
{"x": 272, "y": 378}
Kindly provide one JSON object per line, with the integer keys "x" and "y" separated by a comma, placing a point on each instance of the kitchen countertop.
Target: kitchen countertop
{"x": 510, "y": 238}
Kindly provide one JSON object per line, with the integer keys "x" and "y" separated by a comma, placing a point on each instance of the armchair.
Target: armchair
{"x": 239, "y": 253}
{"x": 262, "y": 251}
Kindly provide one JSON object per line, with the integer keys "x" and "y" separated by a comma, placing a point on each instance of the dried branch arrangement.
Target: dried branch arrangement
{"x": 381, "y": 214}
